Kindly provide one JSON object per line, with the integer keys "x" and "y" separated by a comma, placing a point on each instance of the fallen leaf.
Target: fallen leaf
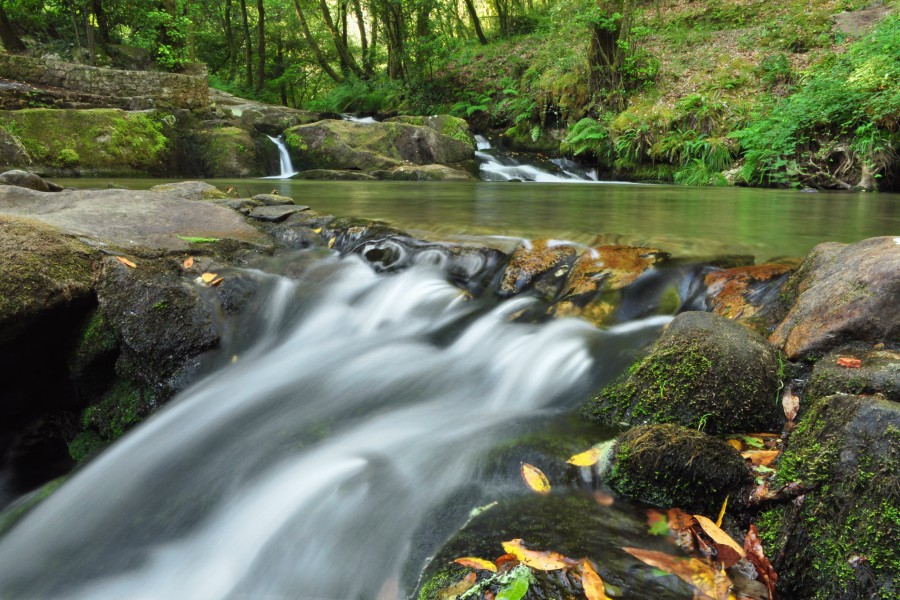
{"x": 755, "y": 441}
{"x": 726, "y": 555}
{"x": 659, "y": 524}
{"x": 126, "y": 262}
{"x": 586, "y": 458}
{"x": 208, "y": 277}
{"x": 188, "y": 262}
{"x": 709, "y": 581}
{"x": 516, "y": 587}
{"x": 535, "y": 479}
{"x": 506, "y": 562}
{"x": 476, "y": 563}
{"x": 680, "y": 520}
{"x": 790, "y": 402}
{"x": 754, "y": 550}
{"x": 591, "y": 582}
{"x": 717, "y": 534}
{"x": 331, "y": 242}
{"x": 536, "y": 559}
{"x": 604, "y": 499}
{"x": 849, "y": 363}
{"x": 736, "y": 444}
{"x": 760, "y": 457}
{"x": 216, "y": 281}
{"x": 317, "y": 230}
{"x": 722, "y": 512}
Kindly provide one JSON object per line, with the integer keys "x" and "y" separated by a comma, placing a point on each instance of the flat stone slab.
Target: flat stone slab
{"x": 275, "y": 214}
{"x": 152, "y": 221}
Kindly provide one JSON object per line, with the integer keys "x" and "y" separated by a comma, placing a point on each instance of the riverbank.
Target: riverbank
{"x": 136, "y": 299}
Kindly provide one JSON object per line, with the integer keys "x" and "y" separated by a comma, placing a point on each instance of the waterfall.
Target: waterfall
{"x": 284, "y": 159}
{"x": 354, "y": 119}
{"x": 356, "y": 404}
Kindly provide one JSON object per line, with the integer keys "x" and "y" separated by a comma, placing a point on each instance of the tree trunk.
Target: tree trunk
{"x": 502, "y": 8}
{"x": 606, "y": 56}
{"x": 11, "y": 41}
{"x": 363, "y": 40}
{"x": 231, "y": 60}
{"x": 248, "y": 44}
{"x": 102, "y": 23}
{"x": 261, "y": 46}
{"x": 476, "y": 22}
{"x": 313, "y": 46}
{"x": 392, "y": 18}
{"x": 348, "y": 63}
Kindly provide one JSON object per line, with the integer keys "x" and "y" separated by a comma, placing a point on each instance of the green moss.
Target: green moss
{"x": 85, "y": 445}
{"x": 97, "y": 339}
{"x": 198, "y": 240}
{"x": 120, "y": 409}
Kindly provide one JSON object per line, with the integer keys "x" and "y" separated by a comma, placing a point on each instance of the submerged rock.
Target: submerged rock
{"x": 705, "y": 371}
{"x": 840, "y": 294}
{"x": 839, "y": 540}
{"x": 540, "y": 265}
{"x": 668, "y": 465}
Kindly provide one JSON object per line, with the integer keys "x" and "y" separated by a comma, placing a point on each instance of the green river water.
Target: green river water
{"x": 682, "y": 220}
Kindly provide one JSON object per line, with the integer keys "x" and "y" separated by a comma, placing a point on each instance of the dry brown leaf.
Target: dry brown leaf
{"x": 188, "y": 262}
{"x": 208, "y": 277}
{"x": 761, "y": 457}
{"x": 726, "y": 555}
{"x": 591, "y": 582}
{"x": 754, "y": 550}
{"x": 506, "y": 562}
{"x": 476, "y": 563}
{"x": 849, "y": 363}
{"x": 216, "y": 281}
{"x": 586, "y": 458}
{"x": 718, "y": 535}
{"x": 790, "y": 402}
{"x": 680, "y": 520}
{"x": 736, "y": 444}
{"x": 709, "y": 581}
{"x": 126, "y": 262}
{"x": 542, "y": 561}
{"x": 535, "y": 479}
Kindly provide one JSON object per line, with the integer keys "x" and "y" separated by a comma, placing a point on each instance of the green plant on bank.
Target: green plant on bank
{"x": 198, "y": 240}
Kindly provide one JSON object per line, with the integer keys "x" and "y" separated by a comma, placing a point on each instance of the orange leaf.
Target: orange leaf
{"x": 591, "y": 582}
{"x": 726, "y": 555}
{"x": 604, "y": 499}
{"x": 506, "y": 562}
{"x": 849, "y": 363}
{"x": 586, "y": 458}
{"x": 535, "y": 479}
{"x": 680, "y": 520}
{"x": 126, "y": 262}
{"x": 790, "y": 402}
{"x": 718, "y": 535}
{"x": 735, "y": 443}
{"x": 476, "y": 563}
{"x": 216, "y": 281}
{"x": 188, "y": 262}
{"x": 209, "y": 277}
{"x": 709, "y": 581}
{"x": 542, "y": 561}
{"x": 761, "y": 457}
{"x": 754, "y": 550}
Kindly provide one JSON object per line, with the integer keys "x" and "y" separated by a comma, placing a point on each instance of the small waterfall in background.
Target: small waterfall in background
{"x": 358, "y": 403}
{"x": 355, "y": 119}
{"x": 284, "y": 159}
{"x": 499, "y": 167}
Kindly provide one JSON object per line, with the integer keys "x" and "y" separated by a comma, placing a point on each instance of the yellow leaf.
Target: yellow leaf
{"x": 718, "y": 536}
{"x": 586, "y": 458}
{"x": 126, "y": 262}
{"x": 736, "y": 444}
{"x": 760, "y": 457}
{"x": 188, "y": 262}
{"x": 722, "y": 512}
{"x": 476, "y": 563}
{"x": 331, "y": 242}
{"x": 317, "y": 230}
{"x": 709, "y": 581}
{"x": 591, "y": 582}
{"x": 542, "y": 561}
{"x": 208, "y": 277}
{"x": 535, "y": 479}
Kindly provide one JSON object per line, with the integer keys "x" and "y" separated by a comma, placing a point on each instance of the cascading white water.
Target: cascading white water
{"x": 355, "y": 119}
{"x": 302, "y": 470}
{"x": 284, "y": 159}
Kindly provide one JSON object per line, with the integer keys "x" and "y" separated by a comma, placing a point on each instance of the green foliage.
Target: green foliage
{"x": 67, "y": 158}
{"x": 198, "y": 240}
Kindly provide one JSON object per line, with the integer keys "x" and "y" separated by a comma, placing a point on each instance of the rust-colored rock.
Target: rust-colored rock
{"x": 840, "y": 294}
{"x": 742, "y": 292}
{"x": 541, "y": 264}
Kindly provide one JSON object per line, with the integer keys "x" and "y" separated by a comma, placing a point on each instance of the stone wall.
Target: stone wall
{"x": 133, "y": 90}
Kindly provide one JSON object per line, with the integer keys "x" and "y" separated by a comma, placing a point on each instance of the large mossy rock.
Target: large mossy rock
{"x": 41, "y": 270}
{"x": 705, "y": 371}
{"x": 842, "y": 293}
{"x": 104, "y": 142}
{"x": 230, "y": 152}
{"x": 334, "y": 144}
{"x": 573, "y": 525}
{"x": 447, "y": 125}
{"x": 668, "y": 465}
{"x": 840, "y": 540}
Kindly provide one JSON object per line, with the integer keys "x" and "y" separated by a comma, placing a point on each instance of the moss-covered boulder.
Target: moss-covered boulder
{"x": 573, "y": 525}
{"x": 840, "y": 540}
{"x": 190, "y": 190}
{"x": 842, "y": 293}
{"x": 230, "y": 152}
{"x": 668, "y": 465}
{"x": 705, "y": 371}
{"x": 447, "y": 125}
{"x": 425, "y": 173}
{"x": 88, "y": 142}
{"x": 41, "y": 270}
{"x": 878, "y": 373}
{"x": 334, "y": 144}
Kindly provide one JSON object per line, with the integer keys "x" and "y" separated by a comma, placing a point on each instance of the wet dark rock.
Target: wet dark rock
{"x": 242, "y": 205}
{"x": 573, "y": 525}
{"x": 275, "y": 213}
{"x": 24, "y": 179}
{"x": 842, "y": 293}
{"x": 749, "y": 295}
{"x": 705, "y": 371}
{"x": 879, "y": 373}
{"x": 542, "y": 266}
{"x": 667, "y": 465}
{"x": 190, "y": 190}
{"x": 273, "y": 200}
{"x": 335, "y": 175}
{"x": 839, "y": 540}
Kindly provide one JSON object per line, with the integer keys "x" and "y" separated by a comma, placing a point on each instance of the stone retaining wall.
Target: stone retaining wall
{"x": 133, "y": 90}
